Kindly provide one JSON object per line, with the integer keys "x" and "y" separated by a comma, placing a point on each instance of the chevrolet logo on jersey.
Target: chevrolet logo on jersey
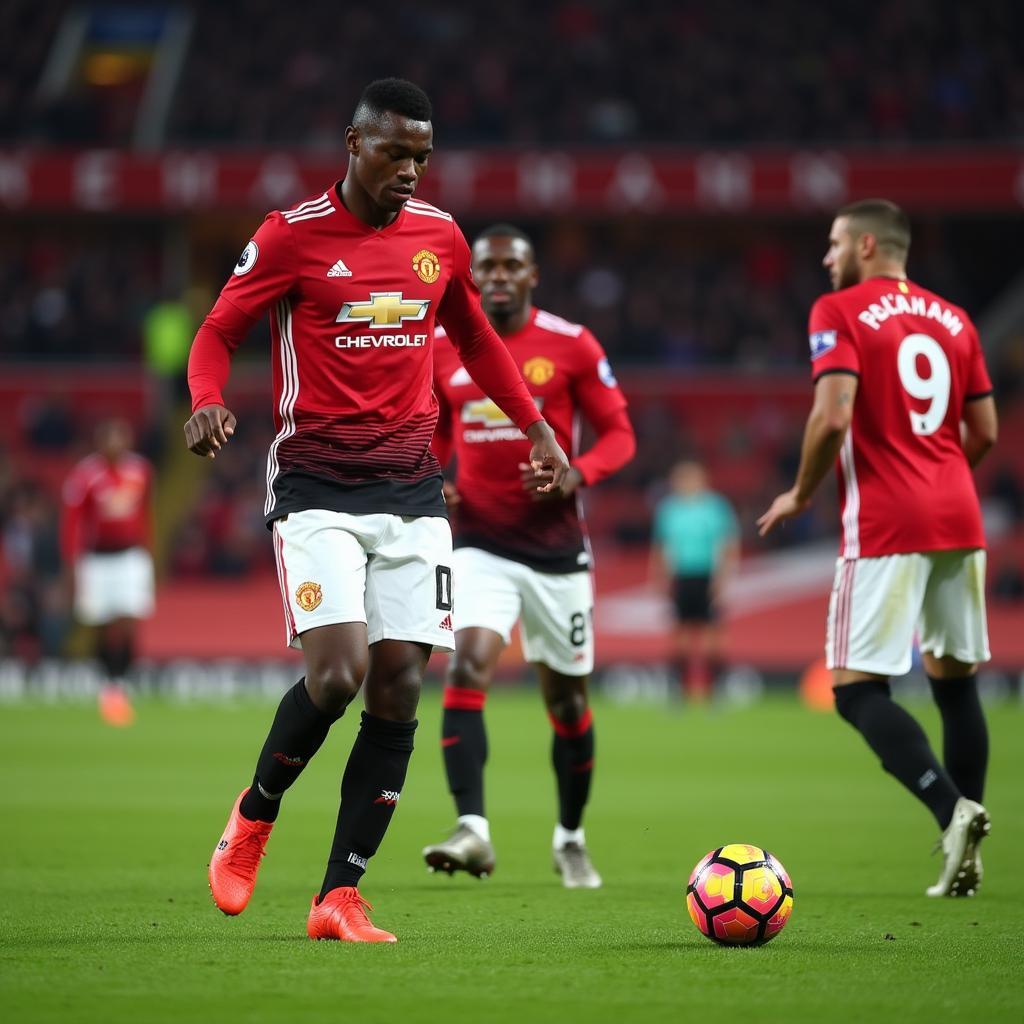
{"x": 487, "y": 414}
{"x": 384, "y": 309}
{"x": 484, "y": 412}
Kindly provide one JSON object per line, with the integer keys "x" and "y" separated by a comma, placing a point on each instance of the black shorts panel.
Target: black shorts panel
{"x": 691, "y": 596}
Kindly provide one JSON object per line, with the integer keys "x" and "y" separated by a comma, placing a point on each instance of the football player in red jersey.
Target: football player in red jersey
{"x": 903, "y": 406}
{"x": 521, "y": 555}
{"x": 107, "y": 537}
{"x": 355, "y": 277}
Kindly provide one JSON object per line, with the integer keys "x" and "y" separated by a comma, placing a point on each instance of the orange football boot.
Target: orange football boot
{"x": 114, "y": 706}
{"x": 236, "y": 860}
{"x": 341, "y": 914}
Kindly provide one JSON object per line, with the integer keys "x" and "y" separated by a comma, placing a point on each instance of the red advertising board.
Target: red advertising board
{"x": 486, "y": 183}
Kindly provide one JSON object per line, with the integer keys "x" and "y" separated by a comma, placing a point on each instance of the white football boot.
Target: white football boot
{"x": 961, "y": 871}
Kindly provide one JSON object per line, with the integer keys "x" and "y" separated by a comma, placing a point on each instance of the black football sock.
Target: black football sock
{"x": 298, "y": 732}
{"x": 116, "y": 654}
{"x": 964, "y": 733}
{"x": 464, "y": 743}
{"x": 370, "y": 789}
{"x": 895, "y": 736}
{"x": 572, "y": 755}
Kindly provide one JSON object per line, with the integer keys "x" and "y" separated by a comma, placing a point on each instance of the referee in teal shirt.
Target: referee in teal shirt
{"x": 696, "y": 547}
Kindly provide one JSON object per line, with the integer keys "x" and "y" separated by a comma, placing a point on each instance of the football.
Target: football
{"x": 739, "y": 895}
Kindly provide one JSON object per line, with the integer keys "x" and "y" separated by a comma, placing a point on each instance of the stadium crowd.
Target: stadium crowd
{"x": 568, "y": 72}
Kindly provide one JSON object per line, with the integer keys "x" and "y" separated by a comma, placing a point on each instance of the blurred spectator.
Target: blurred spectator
{"x": 33, "y": 616}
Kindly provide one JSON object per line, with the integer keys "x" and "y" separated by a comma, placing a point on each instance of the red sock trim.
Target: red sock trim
{"x": 459, "y": 698}
{"x": 572, "y": 730}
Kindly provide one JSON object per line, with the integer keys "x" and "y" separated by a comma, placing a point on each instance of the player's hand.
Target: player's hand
{"x": 546, "y": 454}
{"x": 450, "y": 493}
{"x": 532, "y": 481}
{"x": 208, "y": 430}
{"x": 784, "y": 507}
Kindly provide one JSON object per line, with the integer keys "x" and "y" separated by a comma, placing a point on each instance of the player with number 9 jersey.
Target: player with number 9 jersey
{"x": 903, "y": 405}
{"x": 905, "y": 484}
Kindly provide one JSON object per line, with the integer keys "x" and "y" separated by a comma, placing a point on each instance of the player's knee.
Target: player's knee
{"x": 850, "y": 698}
{"x": 467, "y": 674}
{"x": 567, "y": 706}
{"x": 397, "y": 696}
{"x": 332, "y": 687}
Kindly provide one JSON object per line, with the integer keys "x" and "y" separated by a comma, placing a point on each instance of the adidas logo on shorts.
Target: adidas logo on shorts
{"x": 446, "y": 622}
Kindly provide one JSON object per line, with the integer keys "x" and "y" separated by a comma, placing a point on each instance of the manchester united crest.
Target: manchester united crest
{"x": 308, "y": 596}
{"x": 538, "y": 370}
{"x": 427, "y": 266}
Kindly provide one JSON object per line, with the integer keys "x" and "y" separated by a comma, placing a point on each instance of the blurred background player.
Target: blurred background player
{"x": 523, "y": 556}
{"x": 903, "y": 406}
{"x": 355, "y": 277}
{"x": 696, "y": 543}
{"x": 106, "y": 538}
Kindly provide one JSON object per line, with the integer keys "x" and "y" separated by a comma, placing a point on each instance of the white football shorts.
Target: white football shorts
{"x": 391, "y": 572}
{"x": 878, "y": 604}
{"x": 114, "y": 585}
{"x": 555, "y": 610}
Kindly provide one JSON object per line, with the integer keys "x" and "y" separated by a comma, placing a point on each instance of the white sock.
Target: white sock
{"x": 477, "y": 823}
{"x": 567, "y": 835}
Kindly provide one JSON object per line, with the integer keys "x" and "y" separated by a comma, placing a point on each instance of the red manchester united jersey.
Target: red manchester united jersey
{"x": 107, "y": 505}
{"x": 904, "y": 482}
{"x": 567, "y": 373}
{"x": 352, "y": 322}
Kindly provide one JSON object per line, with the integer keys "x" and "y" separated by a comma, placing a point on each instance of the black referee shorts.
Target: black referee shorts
{"x": 691, "y": 596}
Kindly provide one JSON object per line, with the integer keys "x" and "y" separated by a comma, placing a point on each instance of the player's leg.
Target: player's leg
{"x": 558, "y": 639}
{"x": 115, "y": 649}
{"x": 487, "y": 605}
{"x": 408, "y": 604}
{"x": 324, "y": 614}
{"x": 871, "y": 619}
{"x": 572, "y": 757}
{"x": 463, "y": 734}
{"x": 954, "y": 639}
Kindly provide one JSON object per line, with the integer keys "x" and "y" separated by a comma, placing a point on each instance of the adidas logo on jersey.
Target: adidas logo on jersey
{"x": 339, "y": 270}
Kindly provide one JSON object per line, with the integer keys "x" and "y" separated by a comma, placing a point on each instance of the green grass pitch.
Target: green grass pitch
{"x": 105, "y": 914}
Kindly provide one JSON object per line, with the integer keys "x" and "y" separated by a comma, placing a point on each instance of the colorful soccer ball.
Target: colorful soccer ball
{"x": 739, "y": 895}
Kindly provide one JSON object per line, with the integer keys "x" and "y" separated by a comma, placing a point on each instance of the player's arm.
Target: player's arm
{"x": 824, "y": 434}
{"x": 442, "y": 443}
{"x": 264, "y": 273}
{"x": 596, "y": 393}
{"x": 979, "y": 425}
{"x": 489, "y": 364}
{"x": 979, "y": 428}
{"x": 73, "y": 499}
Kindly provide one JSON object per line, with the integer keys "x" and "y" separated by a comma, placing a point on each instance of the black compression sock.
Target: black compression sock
{"x": 572, "y": 755}
{"x": 297, "y": 733}
{"x": 895, "y": 736}
{"x": 370, "y": 789}
{"x": 464, "y": 744}
{"x": 964, "y": 733}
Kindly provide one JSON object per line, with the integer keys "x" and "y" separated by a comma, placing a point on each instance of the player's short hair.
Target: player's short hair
{"x": 504, "y": 231}
{"x": 883, "y": 219}
{"x": 392, "y": 96}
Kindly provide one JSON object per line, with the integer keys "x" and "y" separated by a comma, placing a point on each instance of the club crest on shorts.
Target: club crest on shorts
{"x": 308, "y": 596}
{"x": 427, "y": 266}
{"x": 538, "y": 370}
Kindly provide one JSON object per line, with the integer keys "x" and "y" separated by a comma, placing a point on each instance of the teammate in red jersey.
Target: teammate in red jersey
{"x": 903, "y": 404}
{"x": 521, "y": 555}
{"x": 356, "y": 277}
{"x": 107, "y": 536}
